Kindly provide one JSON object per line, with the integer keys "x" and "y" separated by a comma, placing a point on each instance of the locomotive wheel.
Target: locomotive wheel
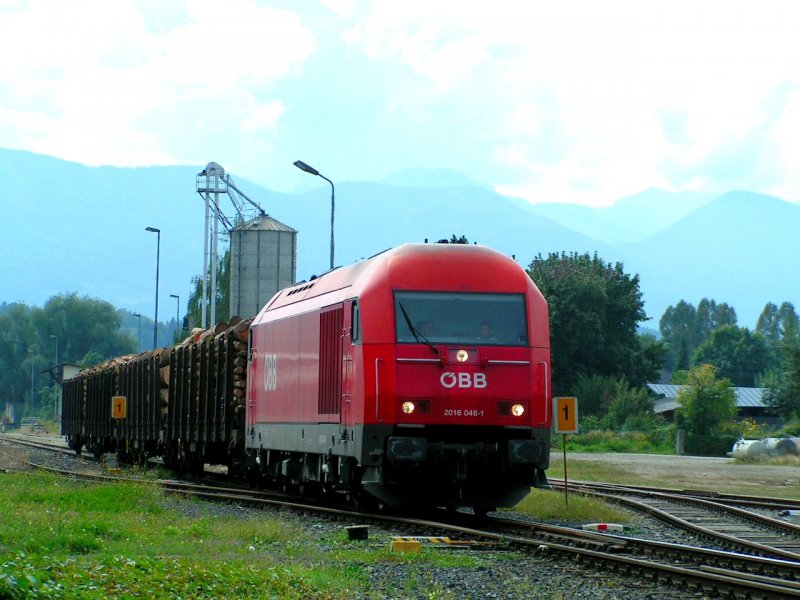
{"x": 368, "y": 503}
{"x": 482, "y": 511}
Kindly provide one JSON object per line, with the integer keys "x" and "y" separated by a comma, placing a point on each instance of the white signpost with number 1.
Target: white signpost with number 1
{"x": 565, "y": 418}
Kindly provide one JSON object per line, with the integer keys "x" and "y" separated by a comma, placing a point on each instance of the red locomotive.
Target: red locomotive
{"x": 418, "y": 377}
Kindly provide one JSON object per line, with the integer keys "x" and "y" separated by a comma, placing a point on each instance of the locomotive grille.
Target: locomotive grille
{"x": 330, "y": 360}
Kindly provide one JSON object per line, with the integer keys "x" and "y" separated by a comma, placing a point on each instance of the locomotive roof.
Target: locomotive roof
{"x": 400, "y": 259}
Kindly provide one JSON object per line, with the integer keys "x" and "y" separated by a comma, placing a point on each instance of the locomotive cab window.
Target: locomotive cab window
{"x": 460, "y": 318}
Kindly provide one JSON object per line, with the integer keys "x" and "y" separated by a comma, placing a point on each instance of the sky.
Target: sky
{"x": 571, "y": 101}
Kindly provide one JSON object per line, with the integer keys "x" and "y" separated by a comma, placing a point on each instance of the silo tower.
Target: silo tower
{"x": 263, "y": 261}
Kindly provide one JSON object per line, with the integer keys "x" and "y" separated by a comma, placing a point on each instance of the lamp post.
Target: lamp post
{"x": 158, "y": 259}
{"x": 30, "y": 352}
{"x": 139, "y": 339}
{"x": 57, "y": 401}
{"x": 56, "y": 337}
{"x": 311, "y": 170}
{"x": 177, "y": 313}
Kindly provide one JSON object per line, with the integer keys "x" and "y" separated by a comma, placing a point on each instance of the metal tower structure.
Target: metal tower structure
{"x": 210, "y": 183}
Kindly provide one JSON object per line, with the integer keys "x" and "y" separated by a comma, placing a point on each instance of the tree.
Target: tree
{"x": 783, "y": 383}
{"x": 462, "y": 239}
{"x": 683, "y": 358}
{"x": 706, "y": 404}
{"x": 677, "y": 326}
{"x": 595, "y": 308}
{"x": 194, "y": 308}
{"x": 736, "y": 352}
{"x": 787, "y": 318}
{"x": 19, "y": 356}
{"x": 774, "y": 322}
{"x": 648, "y": 358}
{"x": 84, "y": 327}
{"x": 684, "y": 328}
{"x": 596, "y": 393}
{"x": 768, "y": 324}
{"x": 631, "y": 409}
{"x": 710, "y": 316}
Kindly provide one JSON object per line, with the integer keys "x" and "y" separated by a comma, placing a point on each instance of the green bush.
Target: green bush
{"x": 791, "y": 429}
{"x": 709, "y": 445}
{"x": 658, "y": 441}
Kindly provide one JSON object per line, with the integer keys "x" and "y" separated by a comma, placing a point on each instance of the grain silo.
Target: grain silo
{"x": 263, "y": 261}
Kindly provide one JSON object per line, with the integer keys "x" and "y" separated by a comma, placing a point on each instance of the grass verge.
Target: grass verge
{"x": 72, "y": 539}
{"x": 551, "y": 505}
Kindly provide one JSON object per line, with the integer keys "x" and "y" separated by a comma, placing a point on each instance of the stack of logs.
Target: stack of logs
{"x": 237, "y": 331}
{"x": 240, "y": 333}
{"x": 227, "y": 342}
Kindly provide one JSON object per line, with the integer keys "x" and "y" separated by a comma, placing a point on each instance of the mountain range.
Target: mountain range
{"x": 73, "y": 228}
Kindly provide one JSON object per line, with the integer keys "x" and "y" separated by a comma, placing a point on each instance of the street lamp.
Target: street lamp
{"x": 311, "y": 170}
{"x": 57, "y": 401}
{"x": 177, "y": 312}
{"x": 30, "y": 352}
{"x": 158, "y": 259}
{"x": 56, "y": 337}
{"x": 139, "y": 339}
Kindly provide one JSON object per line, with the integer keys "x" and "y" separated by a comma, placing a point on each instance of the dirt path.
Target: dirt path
{"x": 685, "y": 472}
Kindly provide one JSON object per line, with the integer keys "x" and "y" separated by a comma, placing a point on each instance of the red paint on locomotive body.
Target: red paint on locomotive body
{"x": 458, "y": 334}
{"x": 288, "y": 329}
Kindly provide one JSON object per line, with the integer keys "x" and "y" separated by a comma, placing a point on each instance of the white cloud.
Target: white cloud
{"x": 95, "y": 71}
{"x": 570, "y": 101}
{"x": 342, "y": 8}
{"x": 607, "y": 71}
{"x": 783, "y": 140}
{"x": 263, "y": 117}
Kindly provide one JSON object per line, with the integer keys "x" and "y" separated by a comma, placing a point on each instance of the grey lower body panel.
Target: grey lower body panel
{"x": 425, "y": 466}
{"x": 361, "y": 442}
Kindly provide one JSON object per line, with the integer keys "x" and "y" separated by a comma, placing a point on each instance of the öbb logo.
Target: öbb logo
{"x": 450, "y": 380}
{"x": 270, "y": 372}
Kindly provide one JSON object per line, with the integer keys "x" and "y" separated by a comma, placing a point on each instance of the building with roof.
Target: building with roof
{"x": 749, "y": 402}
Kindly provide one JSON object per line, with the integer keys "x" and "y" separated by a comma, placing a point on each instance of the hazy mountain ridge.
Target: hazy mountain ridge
{"x": 630, "y": 219}
{"x": 741, "y": 248}
{"x": 71, "y": 227}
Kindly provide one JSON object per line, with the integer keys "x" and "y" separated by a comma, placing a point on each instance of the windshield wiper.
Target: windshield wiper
{"x": 415, "y": 332}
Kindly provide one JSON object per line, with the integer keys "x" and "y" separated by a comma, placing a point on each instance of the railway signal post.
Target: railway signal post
{"x": 565, "y": 412}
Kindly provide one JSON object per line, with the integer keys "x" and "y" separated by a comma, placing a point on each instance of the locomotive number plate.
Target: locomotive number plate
{"x": 458, "y": 412}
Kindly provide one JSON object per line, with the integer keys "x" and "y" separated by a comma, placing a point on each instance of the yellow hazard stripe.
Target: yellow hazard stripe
{"x": 424, "y": 538}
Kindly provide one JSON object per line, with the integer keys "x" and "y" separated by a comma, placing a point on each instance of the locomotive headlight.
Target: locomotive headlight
{"x": 462, "y": 356}
{"x": 517, "y": 410}
{"x": 408, "y": 407}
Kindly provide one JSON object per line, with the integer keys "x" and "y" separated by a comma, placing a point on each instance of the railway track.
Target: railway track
{"x": 687, "y": 569}
{"x": 41, "y": 443}
{"x": 732, "y": 527}
{"x": 761, "y": 502}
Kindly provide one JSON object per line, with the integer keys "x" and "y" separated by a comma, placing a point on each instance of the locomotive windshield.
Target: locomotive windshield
{"x": 461, "y": 318}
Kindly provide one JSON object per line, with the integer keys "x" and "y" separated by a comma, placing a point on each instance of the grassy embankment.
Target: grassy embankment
{"x": 63, "y": 538}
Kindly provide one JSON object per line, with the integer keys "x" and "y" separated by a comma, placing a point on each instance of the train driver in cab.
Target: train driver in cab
{"x": 485, "y": 332}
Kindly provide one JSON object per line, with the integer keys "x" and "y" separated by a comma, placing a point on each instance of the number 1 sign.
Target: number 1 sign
{"x": 565, "y": 419}
{"x": 565, "y": 414}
